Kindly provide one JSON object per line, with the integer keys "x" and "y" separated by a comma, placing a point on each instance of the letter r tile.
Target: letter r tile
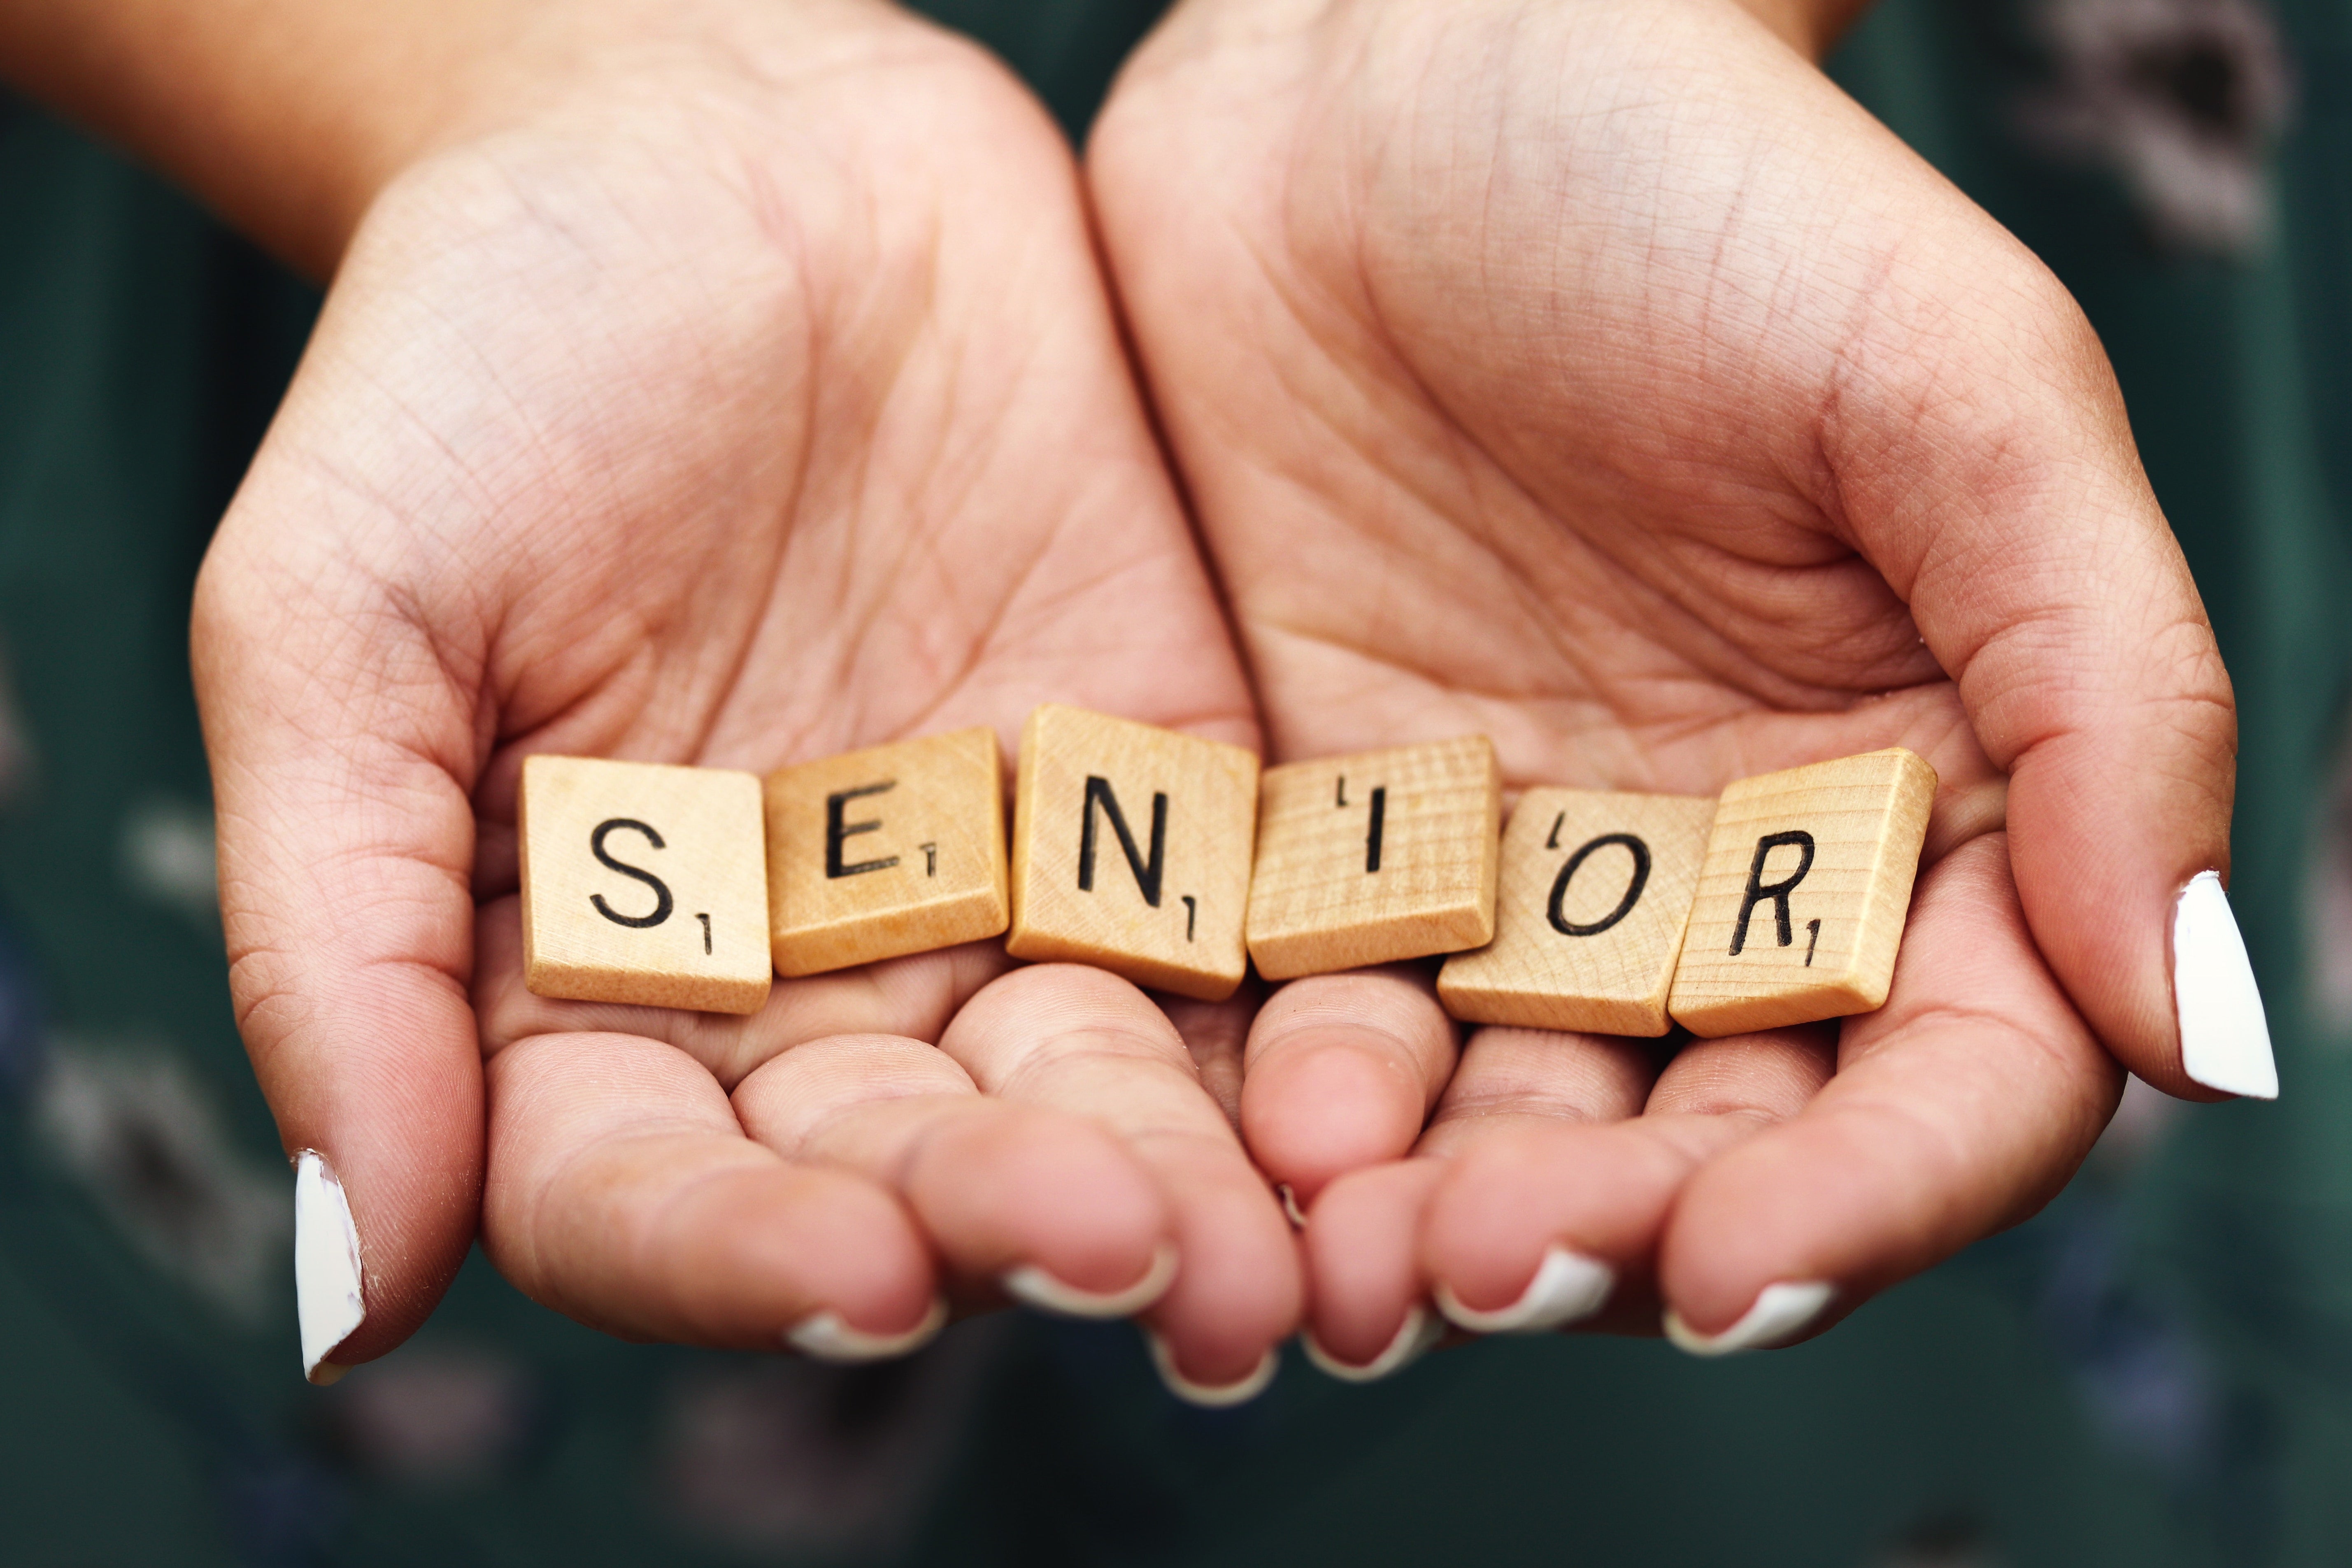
{"x": 1375, "y": 857}
{"x": 643, "y": 883}
{"x": 1131, "y": 851}
{"x": 1803, "y": 895}
{"x": 1596, "y": 891}
{"x": 884, "y": 852}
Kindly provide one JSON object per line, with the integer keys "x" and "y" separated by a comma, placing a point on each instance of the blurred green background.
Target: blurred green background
{"x": 2155, "y": 1371}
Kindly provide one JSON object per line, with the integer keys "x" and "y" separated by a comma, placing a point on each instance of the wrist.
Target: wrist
{"x": 289, "y": 116}
{"x": 1811, "y": 28}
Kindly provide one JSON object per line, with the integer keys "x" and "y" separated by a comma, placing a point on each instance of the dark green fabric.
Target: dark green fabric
{"x": 2154, "y": 1372}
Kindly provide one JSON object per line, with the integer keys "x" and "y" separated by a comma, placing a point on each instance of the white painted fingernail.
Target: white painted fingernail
{"x": 1296, "y": 1216}
{"x": 327, "y": 1295}
{"x": 1421, "y": 1329}
{"x": 2225, "y": 1040}
{"x": 1567, "y": 1287}
{"x": 1040, "y": 1289}
{"x": 823, "y": 1336}
{"x": 1209, "y": 1396}
{"x": 1779, "y": 1314}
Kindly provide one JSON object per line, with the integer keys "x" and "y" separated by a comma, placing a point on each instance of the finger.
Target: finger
{"x": 1047, "y": 1204}
{"x": 623, "y": 1193}
{"x": 1078, "y": 1040}
{"x": 1367, "y": 1281}
{"x": 911, "y": 997}
{"x": 1988, "y": 469}
{"x": 1340, "y": 1071}
{"x": 341, "y": 752}
{"x": 1366, "y": 1316}
{"x": 1547, "y": 1220}
{"x": 1959, "y": 1108}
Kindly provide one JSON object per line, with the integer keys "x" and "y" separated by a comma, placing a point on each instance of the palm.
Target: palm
{"x": 1596, "y": 378}
{"x": 752, "y": 414}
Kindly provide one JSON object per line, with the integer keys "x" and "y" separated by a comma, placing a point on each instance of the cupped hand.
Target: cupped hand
{"x": 1598, "y": 377}
{"x": 735, "y": 387}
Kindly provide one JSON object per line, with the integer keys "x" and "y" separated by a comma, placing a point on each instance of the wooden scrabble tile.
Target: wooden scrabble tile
{"x": 1131, "y": 851}
{"x": 643, "y": 883}
{"x": 1802, "y": 899}
{"x": 1374, "y": 858}
{"x": 894, "y": 850}
{"x": 1596, "y": 890}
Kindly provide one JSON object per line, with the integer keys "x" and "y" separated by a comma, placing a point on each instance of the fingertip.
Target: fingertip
{"x": 1533, "y": 1232}
{"x": 1417, "y": 1335}
{"x": 1035, "y": 1287}
{"x": 761, "y": 1253}
{"x": 387, "y": 1175}
{"x": 1363, "y": 1271}
{"x": 1243, "y": 1288}
{"x": 1327, "y": 1103}
{"x": 2119, "y": 842}
{"x": 329, "y": 1294}
{"x": 1340, "y": 1071}
{"x": 1783, "y": 1313}
{"x": 824, "y": 1335}
{"x": 1045, "y": 1204}
{"x": 2225, "y": 1040}
{"x": 1566, "y": 1288}
{"x": 1209, "y": 1392}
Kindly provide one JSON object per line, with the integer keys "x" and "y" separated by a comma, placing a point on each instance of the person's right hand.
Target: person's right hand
{"x": 737, "y": 388}
{"x": 1595, "y": 375}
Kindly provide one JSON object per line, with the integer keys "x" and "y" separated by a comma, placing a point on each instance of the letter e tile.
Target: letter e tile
{"x": 1374, "y": 858}
{"x": 1803, "y": 895}
{"x": 884, "y": 852}
{"x": 1131, "y": 851}
{"x": 643, "y": 883}
{"x": 1596, "y": 890}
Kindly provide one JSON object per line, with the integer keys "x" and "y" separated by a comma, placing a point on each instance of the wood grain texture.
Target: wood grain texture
{"x": 675, "y": 914}
{"x": 888, "y": 851}
{"x": 1803, "y": 896}
{"x": 1596, "y": 891}
{"x": 1161, "y": 905}
{"x": 1374, "y": 858}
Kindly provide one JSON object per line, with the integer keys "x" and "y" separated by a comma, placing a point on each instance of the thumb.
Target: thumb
{"x": 341, "y": 755}
{"x": 2002, "y": 494}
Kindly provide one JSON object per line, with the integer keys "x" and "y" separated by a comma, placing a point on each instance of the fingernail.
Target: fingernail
{"x": 1415, "y": 1336}
{"x": 823, "y": 1336}
{"x": 1779, "y": 1314}
{"x": 327, "y": 1295}
{"x": 1209, "y": 1396}
{"x": 1567, "y": 1287}
{"x": 1040, "y": 1289}
{"x": 2225, "y": 1040}
{"x": 1296, "y": 1216}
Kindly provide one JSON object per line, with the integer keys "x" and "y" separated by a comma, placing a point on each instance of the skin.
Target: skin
{"x": 652, "y": 421}
{"x": 1599, "y": 378}
{"x": 737, "y": 384}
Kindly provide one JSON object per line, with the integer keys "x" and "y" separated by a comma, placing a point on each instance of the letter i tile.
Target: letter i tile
{"x": 1374, "y": 858}
{"x": 643, "y": 883}
{"x": 1803, "y": 895}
